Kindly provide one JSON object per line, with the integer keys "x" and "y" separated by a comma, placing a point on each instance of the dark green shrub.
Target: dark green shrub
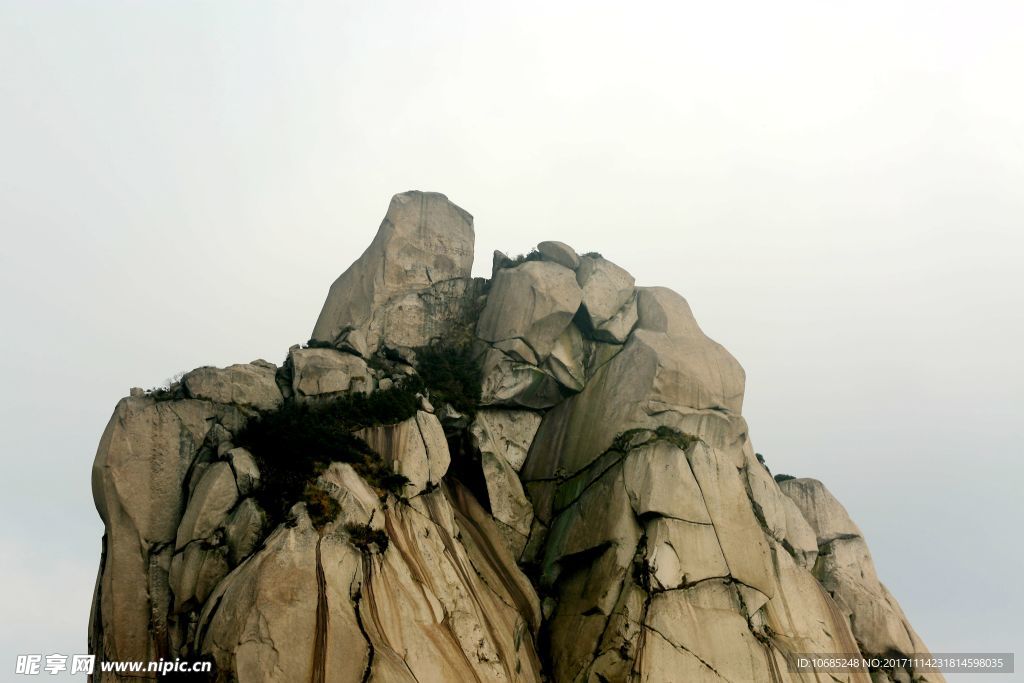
{"x": 513, "y": 261}
{"x": 631, "y": 438}
{"x": 172, "y": 393}
{"x": 366, "y": 538}
{"x": 319, "y": 344}
{"x": 783, "y": 477}
{"x": 623, "y": 441}
{"x": 452, "y": 374}
{"x": 593, "y": 254}
{"x": 320, "y": 505}
{"x": 293, "y": 444}
{"x": 679, "y": 439}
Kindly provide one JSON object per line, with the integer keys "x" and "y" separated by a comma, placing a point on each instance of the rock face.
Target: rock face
{"x": 409, "y": 285}
{"x": 595, "y": 513}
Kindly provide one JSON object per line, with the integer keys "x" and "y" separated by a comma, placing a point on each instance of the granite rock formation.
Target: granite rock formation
{"x": 544, "y": 476}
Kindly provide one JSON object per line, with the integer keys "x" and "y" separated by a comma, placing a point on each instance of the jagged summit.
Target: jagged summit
{"x": 424, "y": 246}
{"x": 541, "y": 476}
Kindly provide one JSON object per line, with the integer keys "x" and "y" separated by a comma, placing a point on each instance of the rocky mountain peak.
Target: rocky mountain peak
{"x": 424, "y": 246}
{"x": 543, "y": 476}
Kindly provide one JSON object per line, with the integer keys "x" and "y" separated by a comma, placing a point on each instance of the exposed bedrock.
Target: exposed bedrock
{"x": 544, "y": 476}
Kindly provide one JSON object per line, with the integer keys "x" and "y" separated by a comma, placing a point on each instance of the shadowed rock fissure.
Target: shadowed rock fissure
{"x": 466, "y": 466}
{"x": 357, "y": 604}
{"x": 319, "y": 674}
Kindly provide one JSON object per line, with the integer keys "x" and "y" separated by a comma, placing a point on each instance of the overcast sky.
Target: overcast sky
{"x": 836, "y": 187}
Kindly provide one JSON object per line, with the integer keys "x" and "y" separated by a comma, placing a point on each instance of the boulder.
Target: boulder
{"x": 823, "y": 512}
{"x": 559, "y": 252}
{"x": 195, "y": 572}
{"x": 424, "y": 239}
{"x": 438, "y": 456}
{"x": 209, "y": 505}
{"x": 415, "y": 448}
{"x": 506, "y": 434}
{"x": 247, "y": 386}
{"x": 534, "y": 302}
{"x": 323, "y": 373}
{"x": 845, "y": 570}
{"x": 244, "y": 530}
{"x": 616, "y": 330}
{"x": 138, "y": 481}
{"x": 668, "y": 373}
{"x": 509, "y": 382}
{"x": 247, "y": 474}
{"x": 606, "y": 288}
{"x": 566, "y": 362}
{"x": 509, "y": 504}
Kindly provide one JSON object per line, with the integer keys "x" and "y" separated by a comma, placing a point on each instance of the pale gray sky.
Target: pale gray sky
{"x": 836, "y": 187}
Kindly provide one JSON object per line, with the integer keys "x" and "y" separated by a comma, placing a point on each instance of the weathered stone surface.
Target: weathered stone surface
{"x": 658, "y": 481}
{"x": 244, "y": 530}
{"x": 800, "y": 537}
{"x": 768, "y": 500}
{"x": 247, "y": 474}
{"x": 534, "y": 302}
{"x": 743, "y": 544}
{"x": 823, "y": 512}
{"x": 443, "y": 311}
{"x": 509, "y": 504}
{"x": 566, "y": 362}
{"x": 616, "y": 330}
{"x": 195, "y": 572}
{"x": 667, "y": 373}
{"x": 705, "y": 623}
{"x": 429, "y": 608}
{"x": 613, "y": 463}
{"x": 402, "y": 448}
{"x": 424, "y": 239}
{"x": 326, "y": 372}
{"x": 606, "y": 288}
{"x": 438, "y": 457}
{"x": 517, "y": 350}
{"x": 248, "y": 386}
{"x": 508, "y": 382}
{"x": 681, "y": 553}
{"x": 559, "y": 252}
{"x": 359, "y": 503}
{"x": 505, "y": 433}
{"x": 596, "y": 354}
{"x": 142, "y": 460}
{"x": 138, "y": 477}
{"x": 415, "y": 448}
{"x": 208, "y": 507}
{"x": 261, "y": 622}
{"x": 601, "y": 517}
{"x": 846, "y": 570}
